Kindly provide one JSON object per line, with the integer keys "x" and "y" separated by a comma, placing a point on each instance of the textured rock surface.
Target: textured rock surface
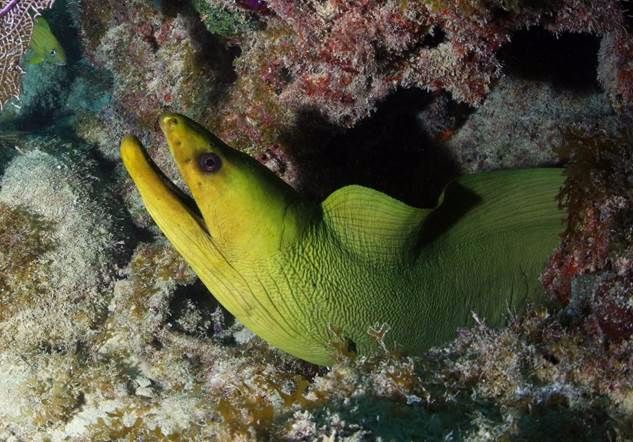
{"x": 522, "y": 122}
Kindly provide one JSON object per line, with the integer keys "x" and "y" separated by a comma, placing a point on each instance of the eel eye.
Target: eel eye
{"x": 209, "y": 162}
{"x": 53, "y": 52}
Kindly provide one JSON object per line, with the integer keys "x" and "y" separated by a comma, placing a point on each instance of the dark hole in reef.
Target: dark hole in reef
{"x": 436, "y": 37}
{"x": 431, "y": 40}
{"x": 170, "y": 8}
{"x": 500, "y": 13}
{"x": 152, "y": 42}
{"x": 350, "y": 345}
{"x": 551, "y": 358}
{"x": 196, "y": 296}
{"x": 213, "y": 54}
{"x": 569, "y": 61}
{"x": 389, "y": 151}
{"x": 285, "y": 76}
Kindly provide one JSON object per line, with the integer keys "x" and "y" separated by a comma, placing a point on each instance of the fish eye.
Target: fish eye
{"x": 53, "y": 52}
{"x": 209, "y": 162}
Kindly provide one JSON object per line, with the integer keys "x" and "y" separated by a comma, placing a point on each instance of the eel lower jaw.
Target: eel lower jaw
{"x": 185, "y": 200}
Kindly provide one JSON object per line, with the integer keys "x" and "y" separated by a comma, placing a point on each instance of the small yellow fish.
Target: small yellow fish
{"x": 44, "y": 45}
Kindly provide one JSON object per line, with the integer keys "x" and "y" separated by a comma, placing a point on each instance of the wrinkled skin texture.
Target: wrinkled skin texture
{"x": 360, "y": 267}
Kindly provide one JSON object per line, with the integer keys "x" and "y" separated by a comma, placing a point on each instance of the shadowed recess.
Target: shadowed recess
{"x": 389, "y": 151}
{"x": 568, "y": 61}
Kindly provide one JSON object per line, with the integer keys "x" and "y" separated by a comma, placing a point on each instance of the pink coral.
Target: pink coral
{"x": 16, "y": 27}
{"x": 342, "y": 57}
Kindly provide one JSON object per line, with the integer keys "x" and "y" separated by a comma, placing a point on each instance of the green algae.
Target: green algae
{"x": 220, "y": 20}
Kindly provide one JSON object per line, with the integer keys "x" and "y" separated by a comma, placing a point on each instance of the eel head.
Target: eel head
{"x": 246, "y": 211}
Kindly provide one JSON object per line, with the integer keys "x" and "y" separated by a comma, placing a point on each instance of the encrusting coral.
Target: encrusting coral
{"x": 615, "y": 71}
{"x": 338, "y": 58}
{"x": 494, "y": 138}
{"x": 59, "y": 246}
{"x": 155, "y": 60}
{"x": 28, "y": 236}
{"x": 72, "y": 277}
{"x": 598, "y": 242}
{"x": 342, "y": 57}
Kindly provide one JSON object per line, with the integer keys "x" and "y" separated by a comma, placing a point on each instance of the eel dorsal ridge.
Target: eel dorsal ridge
{"x": 371, "y": 224}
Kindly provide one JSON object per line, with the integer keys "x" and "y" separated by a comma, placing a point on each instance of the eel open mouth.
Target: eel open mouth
{"x": 156, "y": 189}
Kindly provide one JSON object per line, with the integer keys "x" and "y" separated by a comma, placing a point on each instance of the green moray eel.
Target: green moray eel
{"x": 44, "y": 45}
{"x": 360, "y": 268}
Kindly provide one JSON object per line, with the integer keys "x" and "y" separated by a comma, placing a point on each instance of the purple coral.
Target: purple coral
{"x": 6, "y": 8}
{"x": 254, "y": 5}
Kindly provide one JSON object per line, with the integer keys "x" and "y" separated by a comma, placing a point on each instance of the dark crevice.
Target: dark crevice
{"x": 567, "y": 61}
{"x": 213, "y": 53}
{"x": 433, "y": 39}
{"x": 389, "y": 151}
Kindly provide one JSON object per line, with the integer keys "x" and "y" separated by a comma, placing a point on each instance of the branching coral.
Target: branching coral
{"x": 16, "y": 26}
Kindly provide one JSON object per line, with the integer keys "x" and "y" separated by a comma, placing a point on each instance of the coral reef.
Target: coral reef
{"x": 105, "y": 333}
{"x": 598, "y": 240}
{"x": 615, "y": 71}
{"x": 165, "y": 67}
{"x": 341, "y": 58}
{"x": 338, "y": 58}
{"x": 65, "y": 292}
{"x": 158, "y": 361}
{"x": 223, "y": 18}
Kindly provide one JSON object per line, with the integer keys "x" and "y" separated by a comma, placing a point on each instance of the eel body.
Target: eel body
{"x": 360, "y": 267}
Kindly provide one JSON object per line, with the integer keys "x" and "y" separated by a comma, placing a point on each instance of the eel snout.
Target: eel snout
{"x": 161, "y": 196}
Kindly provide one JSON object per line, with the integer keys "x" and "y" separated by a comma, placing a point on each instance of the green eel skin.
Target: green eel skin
{"x": 360, "y": 265}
